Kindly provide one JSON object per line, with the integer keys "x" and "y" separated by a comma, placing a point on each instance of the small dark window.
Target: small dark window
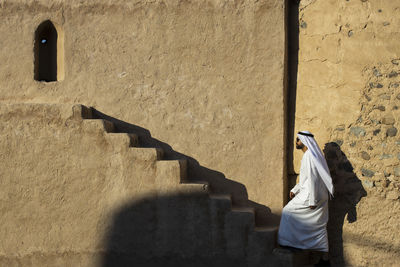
{"x": 46, "y": 52}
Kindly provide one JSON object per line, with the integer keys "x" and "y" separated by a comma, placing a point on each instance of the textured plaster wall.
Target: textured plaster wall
{"x": 206, "y": 77}
{"x": 72, "y": 194}
{"x": 60, "y": 183}
{"x": 348, "y": 95}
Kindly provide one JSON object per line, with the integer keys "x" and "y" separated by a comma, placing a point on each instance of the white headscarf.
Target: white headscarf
{"x": 318, "y": 158}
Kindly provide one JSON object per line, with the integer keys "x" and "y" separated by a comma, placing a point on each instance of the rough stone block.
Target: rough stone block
{"x": 388, "y": 120}
{"x": 367, "y": 173}
{"x": 376, "y": 72}
{"x": 381, "y": 108}
{"x": 368, "y": 183}
{"x": 376, "y": 85}
{"x": 376, "y": 132}
{"x": 365, "y": 155}
{"x": 391, "y": 132}
{"x": 357, "y": 131}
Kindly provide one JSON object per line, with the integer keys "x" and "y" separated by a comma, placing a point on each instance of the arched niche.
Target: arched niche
{"x": 48, "y": 49}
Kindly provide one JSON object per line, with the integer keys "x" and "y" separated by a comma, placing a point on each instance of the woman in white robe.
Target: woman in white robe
{"x": 304, "y": 218}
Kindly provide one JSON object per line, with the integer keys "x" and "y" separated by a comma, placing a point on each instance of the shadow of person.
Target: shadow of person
{"x": 348, "y": 193}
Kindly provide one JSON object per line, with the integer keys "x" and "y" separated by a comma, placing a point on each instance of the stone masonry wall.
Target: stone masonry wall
{"x": 348, "y": 95}
{"x": 372, "y": 141}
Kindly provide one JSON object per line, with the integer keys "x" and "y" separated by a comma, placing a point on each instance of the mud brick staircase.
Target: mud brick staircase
{"x": 242, "y": 238}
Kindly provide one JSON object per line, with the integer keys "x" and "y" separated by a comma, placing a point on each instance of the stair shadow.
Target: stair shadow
{"x": 348, "y": 193}
{"x": 170, "y": 230}
{"x": 219, "y": 184}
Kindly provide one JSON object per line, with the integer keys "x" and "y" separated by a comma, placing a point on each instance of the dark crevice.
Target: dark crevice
{"x": 292, "y": 69}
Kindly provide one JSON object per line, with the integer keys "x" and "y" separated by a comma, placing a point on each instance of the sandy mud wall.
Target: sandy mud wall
{"x": 206, "y": 77}
{"x": 61, "y": 183}
{"x": 348, "y": 95}
{"x": 74, "y": 195}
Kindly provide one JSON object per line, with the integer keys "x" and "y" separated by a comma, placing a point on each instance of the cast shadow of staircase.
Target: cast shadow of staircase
{"x": 219, "y": 184}
{"x": 348, "y": 193}
{"x": 180, "y": 230}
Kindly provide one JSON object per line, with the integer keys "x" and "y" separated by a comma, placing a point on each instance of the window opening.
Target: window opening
{"x": 46, "y": 40}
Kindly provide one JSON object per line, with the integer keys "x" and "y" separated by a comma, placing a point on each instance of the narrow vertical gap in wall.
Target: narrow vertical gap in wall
{"x": 292, "y": 69}
{"x": 48, "y": 58}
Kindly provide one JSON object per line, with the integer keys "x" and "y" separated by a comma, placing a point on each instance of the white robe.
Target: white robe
{"x": 302, "y": 227}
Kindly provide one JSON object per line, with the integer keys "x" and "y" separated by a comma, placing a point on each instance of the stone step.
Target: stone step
{"x": 262, "y": 242}
{"x": 98, "y": 125}
{"x": 219, "y": 205}
{"x": 267, "y": 230}
{"x": 81, "y": 112}
{"x": 145, "y": 154}
{"x": 194, "y": 188}
{"x": 233, "y": 228}
{"x": 183, "y": 221}
{"x": 172, "y": 172}
{"x": 223, "y": 201}
{"x": 295, "y": 258}
{"x": 239, "y": 223}
{"x": 243, "y": 210}
{"x": 122, "y": 140}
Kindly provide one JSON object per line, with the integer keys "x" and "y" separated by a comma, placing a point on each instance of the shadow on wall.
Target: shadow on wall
{"x": 348, "y": 192}
{"x": 292, "y": 69}
{"x": 219, "y": 184}
{"x": 172, "y": 230}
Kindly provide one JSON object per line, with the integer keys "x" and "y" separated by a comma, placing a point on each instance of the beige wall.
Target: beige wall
{"x": 72, "y": 194}
{"x": 348, "y": 93}
{"x": 60, "y": 182}
{"x": 205, "y": 77}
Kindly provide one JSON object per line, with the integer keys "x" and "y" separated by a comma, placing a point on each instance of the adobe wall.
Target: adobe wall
{"x": 73, "y": 195}
{"x": 348, "y": 95}
{"x": 60, "y": 184}
{"x": 206, "y": 77}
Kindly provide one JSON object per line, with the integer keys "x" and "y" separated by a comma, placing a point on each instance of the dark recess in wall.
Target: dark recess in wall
{"x": 292, "y": 68}
{"x": 46, "y": 52}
